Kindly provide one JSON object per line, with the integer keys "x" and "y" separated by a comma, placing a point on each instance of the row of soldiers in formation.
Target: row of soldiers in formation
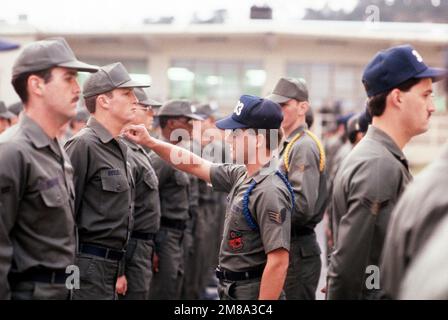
{"x": 138, "y": 224}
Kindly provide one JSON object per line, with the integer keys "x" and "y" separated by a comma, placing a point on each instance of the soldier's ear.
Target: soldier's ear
{"x": 304, "y": 106}
{"x": 35, "y": 85}
{"x": 395, "y": 97}
{"x": 103, "y": 101}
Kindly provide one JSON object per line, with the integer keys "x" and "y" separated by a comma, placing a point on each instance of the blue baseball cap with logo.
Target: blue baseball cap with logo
{"x": 389, "y": 68}
{"x": 254, "y": 113}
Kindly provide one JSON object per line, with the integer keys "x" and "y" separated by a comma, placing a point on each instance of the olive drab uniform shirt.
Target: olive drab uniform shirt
{"x": 426, "y": 278}
{"x": 366, "y": 189}
{"x": 173, "y": 189}
{"x": 306, "y": 178}
{"x": 147, "y": 202}
{"x": 420, "y": 210}
{"x": 104, "y": 187}
{"x": 270, "y": 203}
{"x": 36, "y": 202}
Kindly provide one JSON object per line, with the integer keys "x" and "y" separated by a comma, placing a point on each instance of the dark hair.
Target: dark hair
{"x": 271, "y": 134}
{"x": 20, "y": 83}
{"x": 163, "y": 120}
{"x": 309, "y": 117}
{"x": 377, "y": 103}
{"x": 90, "y": 102}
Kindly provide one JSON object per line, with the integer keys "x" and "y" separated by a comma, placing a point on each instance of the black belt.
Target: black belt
{"x": 39, "y": 275}
{"x": 143, "y": 235}
{"x": 102, "y": 252}
{"x": 203, "y": 201}
{"x": 301, "y": 231}
{"x": 173, "y": 223}
{"x": 253, "y": 273}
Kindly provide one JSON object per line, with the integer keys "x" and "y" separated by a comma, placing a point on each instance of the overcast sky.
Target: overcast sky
{"x": 81, "y": 14}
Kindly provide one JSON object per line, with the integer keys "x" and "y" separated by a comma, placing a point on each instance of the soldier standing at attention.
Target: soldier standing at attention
{"x": 103, "y": 181}
{"x": 37, "y": 229}
{"x": 303, "y": 161}
{"x": 134, "y": 284}
{"x": 375, "y": 174}
{"x": 175, "y": 120}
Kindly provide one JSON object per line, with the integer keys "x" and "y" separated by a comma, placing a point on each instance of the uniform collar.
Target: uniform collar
{"x": 286, "y": 140}
{"x": 296, "y": 131}
{"x": 265, "y": 171}
{"x": 34, "y": 132}
{"x": 102, "y": 133}
{"x": 382, "y": 137}
{"x": 132, "y": 145}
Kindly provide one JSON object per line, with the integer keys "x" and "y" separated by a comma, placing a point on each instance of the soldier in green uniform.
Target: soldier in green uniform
{"x": 420, "y": 210}
{"x": 175, "y": 119}
{"x": 134, "y": 284}
{"x": 37, "y": 229}
{"x": 254, "y": 251}
{"x": 103, "y": 181}
{"x": 303, "y": 161}
{"x": 376, "y": 172}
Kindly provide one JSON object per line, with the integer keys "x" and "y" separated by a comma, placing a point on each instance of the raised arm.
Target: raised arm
{"x": 178, "y": 157}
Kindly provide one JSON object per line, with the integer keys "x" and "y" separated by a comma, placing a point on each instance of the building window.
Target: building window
{"x": 137, "y": 68}
{"x": 211, "y": 80}
{"x": 331, "y": 84}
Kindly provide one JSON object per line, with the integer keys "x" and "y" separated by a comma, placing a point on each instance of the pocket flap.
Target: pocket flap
{"x": 113, "y": 180}
{"x": 150, "y": 180}
{"x": 53, "y": 197}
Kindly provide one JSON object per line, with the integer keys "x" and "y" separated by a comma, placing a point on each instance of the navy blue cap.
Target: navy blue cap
{"x": 389, "y": 68}
{"x": 343, "y": 119}
{"x": 255, "y": 113}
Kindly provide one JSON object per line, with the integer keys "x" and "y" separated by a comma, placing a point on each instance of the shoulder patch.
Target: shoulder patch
{"x": 375, "y": 206}
{"x": 278, "y": 217}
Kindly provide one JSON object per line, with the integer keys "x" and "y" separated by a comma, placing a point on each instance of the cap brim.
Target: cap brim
{"x": 194, "y": 117}
{"x": 78, "y": 65}
{"x": 277, "y": 98}
{"x": 7, "y": 115}
{"x": 229, "y": 123}
{"x": 133, "y": 84}
{"x": 436, "y": 74}
{"x": 150, "y": 102}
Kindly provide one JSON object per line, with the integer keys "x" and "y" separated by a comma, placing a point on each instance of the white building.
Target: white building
{"x": 219, "y": 62}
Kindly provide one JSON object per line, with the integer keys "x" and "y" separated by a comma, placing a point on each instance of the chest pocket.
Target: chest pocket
{"x": 113, "y": 180}
{"x": 150, "y": 180}
{"x": 181, "y": 178}
{"x": 53, "y": 197}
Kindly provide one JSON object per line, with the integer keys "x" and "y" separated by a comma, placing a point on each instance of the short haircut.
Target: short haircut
{"x": 377, "y": 103}
{"x": 90, "y": 102}
{"x": 20, "y": 83}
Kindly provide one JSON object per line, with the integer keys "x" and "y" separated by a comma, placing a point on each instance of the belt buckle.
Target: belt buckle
{"x": 107, "y": 253}
{"x": 53, "y": 277}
